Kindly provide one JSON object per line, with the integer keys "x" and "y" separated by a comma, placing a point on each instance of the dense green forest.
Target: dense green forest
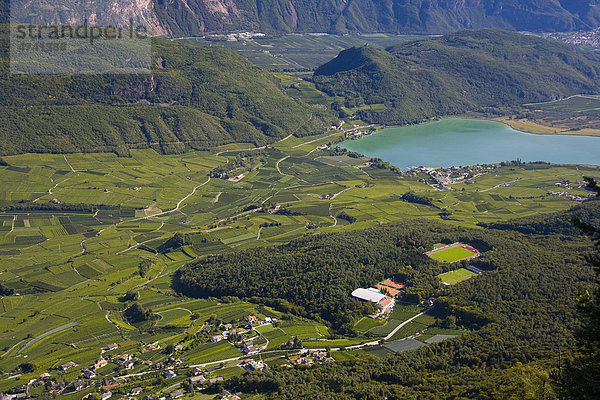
{"x": 195, "y": 98}
{"x": 465, "y": 71}
{"x": 314, "y": 276}
{"x": 521, "y": 312}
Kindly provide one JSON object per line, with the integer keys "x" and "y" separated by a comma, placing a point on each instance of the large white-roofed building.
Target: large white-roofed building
{"x": 370, "y": 294}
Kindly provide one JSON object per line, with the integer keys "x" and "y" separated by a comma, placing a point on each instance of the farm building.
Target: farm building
{"x": 198, "y": 379}
{"x": 68, "y": 365}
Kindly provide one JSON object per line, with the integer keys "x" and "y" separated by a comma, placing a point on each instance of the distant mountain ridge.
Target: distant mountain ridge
{"x": 188, "y": 17}
{"x": 464, "y": 71}
{"x": 195, "y": 17}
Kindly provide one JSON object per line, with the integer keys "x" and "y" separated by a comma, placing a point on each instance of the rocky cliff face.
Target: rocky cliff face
{"x": 99, "y": 12}
{"x": 194, "y": 17}
{"x": 397, "y": 16}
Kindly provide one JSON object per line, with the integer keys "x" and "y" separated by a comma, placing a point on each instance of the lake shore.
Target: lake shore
{"x": 528, "y": 126}
{"x": 470, "y": 141}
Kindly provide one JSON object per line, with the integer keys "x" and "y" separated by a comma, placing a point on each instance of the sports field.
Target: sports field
{"x": 453, "y": 253}
{"x": 459, "y": 275}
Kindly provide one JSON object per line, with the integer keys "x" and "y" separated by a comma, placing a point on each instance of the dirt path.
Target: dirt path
{"x": 335, "y": 221}
{"x": 69, "y": 164}
{"x": 277, "y": 164}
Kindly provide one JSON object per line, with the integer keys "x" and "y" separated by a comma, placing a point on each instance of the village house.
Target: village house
{"x": 88, "y": 373}
{"x": 106, "y": 395}
{"x": 68, "y": 365}
{"x": 53, "y": 386}
{"x": 100, "y": 363}
{"x": 196, "y": 371}
{"x": 216, "y": 338}
{"x": 110, "y": 383}
{"x": 198, "y": 379}
{"x": 215, "y": 380}
{"x": 176, "y": 394}
{"x": 38, "y": 382}
{"x": 252, "y": 365}
{"x": 249, "y": 349}
{"x": 79, "y": 385}
{"x": 170, "y": 374}
{"x": 386, "y": 305}
{"x": 128, "y": 364}
{"x": 136, "y": 391}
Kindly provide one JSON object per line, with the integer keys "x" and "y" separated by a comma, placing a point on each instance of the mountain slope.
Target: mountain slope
{"x": 457, "y": 73}
{"x": 398, "y": 16}
{"x": 194, "y": 17}
{"x": 196, "y": 97}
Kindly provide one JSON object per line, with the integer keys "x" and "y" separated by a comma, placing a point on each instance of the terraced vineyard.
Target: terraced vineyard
{"x": 76, "y": 229}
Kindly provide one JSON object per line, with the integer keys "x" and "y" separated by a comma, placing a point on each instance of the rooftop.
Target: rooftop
{"x": 368, "y": 295}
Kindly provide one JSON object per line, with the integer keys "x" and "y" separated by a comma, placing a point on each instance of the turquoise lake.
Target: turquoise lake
{"x": 456, "y": 142}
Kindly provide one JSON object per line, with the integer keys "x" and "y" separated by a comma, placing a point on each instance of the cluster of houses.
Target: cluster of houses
{"x": 567, "y": 185}
{"x": 442, "y": 178}
{"x": 308, "y": 357}
{"x": 167, "y": 368}
{"x": 567, "y": 195}
{"x": 383, "y": 295}
{"x": 578, "y": 38}
{"x": 236, "y": 36}
{"x": 357, "y": 131}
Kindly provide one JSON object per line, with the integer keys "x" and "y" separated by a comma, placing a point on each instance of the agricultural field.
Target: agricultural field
{"x": 80, "y": 231}
{"x": 297, "y": 52}
{"x": 576, "y": 115}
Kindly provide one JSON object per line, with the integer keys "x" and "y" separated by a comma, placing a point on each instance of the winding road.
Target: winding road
{"x": 43, "y": 335}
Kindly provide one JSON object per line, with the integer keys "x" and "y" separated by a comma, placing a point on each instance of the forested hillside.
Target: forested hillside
{"x": 460, "y": 72}
{"x": 195, "y": 97}
{"x": 521, "y": 311}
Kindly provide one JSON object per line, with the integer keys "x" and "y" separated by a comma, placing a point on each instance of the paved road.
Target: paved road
{"x": 43, "y": 335}
{"x": 388, "y": 337}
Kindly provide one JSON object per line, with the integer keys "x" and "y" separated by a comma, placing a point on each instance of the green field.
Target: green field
{"x": 365, "y": 324}
{"x": 459, "y": 275}
{"x": 452, "y": 254}
{"x": 74, "y": 265}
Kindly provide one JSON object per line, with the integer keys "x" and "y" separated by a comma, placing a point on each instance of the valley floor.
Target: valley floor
{"x": 69, "y": 267}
